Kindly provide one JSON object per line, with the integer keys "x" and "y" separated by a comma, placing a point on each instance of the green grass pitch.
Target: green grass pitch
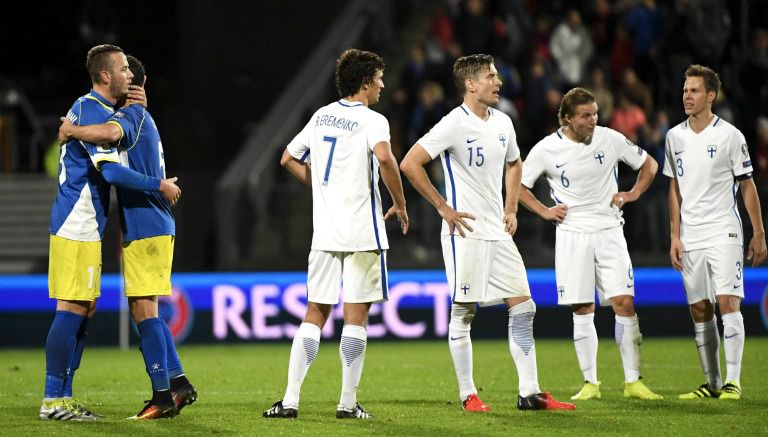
{"x": 409, "y": 386}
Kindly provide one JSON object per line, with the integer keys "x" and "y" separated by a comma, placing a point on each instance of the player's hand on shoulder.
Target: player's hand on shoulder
{"x": 65, "y": 130}
{"x": 456, "y": 219}
{"x": 757, "y": 250}
{"x": 170, "y": 190}
{"x": 510, "y": 223}
{"x": 556, "y": 213}
{"x": 402, "y": 217}
{"x": 136, "y": 96}
{"x": 676, "y": 254}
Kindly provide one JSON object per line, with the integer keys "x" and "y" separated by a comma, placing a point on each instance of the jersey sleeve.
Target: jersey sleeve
{"x": 739, "y": 155}
{"x": 668, "y": 171}
{"x": 130, "y": 120}
{"x": 513, "y": 151}
{"x": 629, "y": 152}
{"x": 440, "y": 137}
{"x": 299, "y": 145}
{"x": 533, "y": 167}
{"x": 378, "y": 131}
{"x": 83, "y": 113}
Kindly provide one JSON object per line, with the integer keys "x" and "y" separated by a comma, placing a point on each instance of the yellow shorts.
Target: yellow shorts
{"x": 74, "y": 269}
{"x": 147, "y": 266}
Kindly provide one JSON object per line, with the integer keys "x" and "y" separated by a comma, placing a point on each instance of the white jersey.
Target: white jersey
{"x": 474, "y": 153}
{"x": 346, "y": 202}
{"x": 707, "y": 166}
{"x": 583, "y": 176}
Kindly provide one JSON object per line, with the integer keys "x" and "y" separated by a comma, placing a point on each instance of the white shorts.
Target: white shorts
{"x": 483, "y": 271}
{"x": 585, "y": 261}
{"x": 713, "y": 271}
{"x": 363, "y": 274}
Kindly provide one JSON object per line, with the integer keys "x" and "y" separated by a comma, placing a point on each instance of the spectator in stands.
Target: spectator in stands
{"x": 628, "y": 118}
{"x": 571, "y": 46}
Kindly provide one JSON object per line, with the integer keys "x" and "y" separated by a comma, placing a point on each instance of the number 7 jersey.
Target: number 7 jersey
{"x": 346, "y": 202}
{"x": 707, "y": 167}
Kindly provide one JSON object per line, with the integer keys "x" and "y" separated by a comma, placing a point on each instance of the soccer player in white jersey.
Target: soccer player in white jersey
{"x": 348, "y": 143}
{"x": 580, "y": 163}
{"x": 476, "y": 144}
{"x": 78, "y": 220}
{"x": 707, "y": 161}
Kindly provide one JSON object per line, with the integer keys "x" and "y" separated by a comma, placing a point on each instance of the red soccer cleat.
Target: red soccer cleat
{"x": 474, "y": 404}
{"x": 542, "y": 401}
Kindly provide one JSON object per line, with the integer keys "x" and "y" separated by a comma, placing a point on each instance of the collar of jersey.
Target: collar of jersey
{"x": 101, "y": 99}
{"x": 715, "y": 120}
{"x": 466, "y": 110}
{"x": 347, "y": 103}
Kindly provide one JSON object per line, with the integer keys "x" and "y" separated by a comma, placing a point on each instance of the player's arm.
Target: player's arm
{"x": 757, "y": 247}
{"x": 644, "y": 178}
{"x": 554, "y": 213}
{"x": 676, "y": 245}
{"x": 109, "y": 132}
{"x": 124, "y": 177}
{"x": 512, "y": 187}
{"x": 413, "y": 169}
{"x": 299, "y": 169}
{"x": 391, "y": 177}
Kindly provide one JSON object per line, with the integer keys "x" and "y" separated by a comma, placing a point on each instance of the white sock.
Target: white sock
{"x": 460, "y": 345}
{"x": 708, "y": 345}
{"x": 523, "y": 347}
{"x": 733, "y": 343}
{"x": 629, "y": 339}
{"x": 585, "y": 342}
{"x": 352, "y": 354}
{"x": 304, "y": 349}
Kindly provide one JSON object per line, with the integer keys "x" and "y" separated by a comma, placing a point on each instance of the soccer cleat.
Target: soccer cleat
{"x": 474, "y": 404}
{"x": 638, "y": 390}
{"x": 155, "y": 410}
{"x": 62, "y": 409}
{"x": 704, "y": 391}
{"x": 589, "y": 391}
{"x": 731, "y": 391}
{"x": 80, "y": 407}
{"x": 357, "y": 413}
{"x": 279, "y": 412}
{"x": 542, "y": 401}
{"x": 183, "y": 394}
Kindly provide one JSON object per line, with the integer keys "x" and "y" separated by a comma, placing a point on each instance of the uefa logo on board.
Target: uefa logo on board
{"x": 178, "y": 313}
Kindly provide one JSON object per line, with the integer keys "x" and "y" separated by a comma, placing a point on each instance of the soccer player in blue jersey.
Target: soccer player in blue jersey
{"x": 78, "y": 220}
{"x": 148, "y": 239}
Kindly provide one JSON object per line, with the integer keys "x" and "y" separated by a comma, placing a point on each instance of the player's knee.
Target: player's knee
{"x": 461, "y": 316}
{"x": 524, "y": 307}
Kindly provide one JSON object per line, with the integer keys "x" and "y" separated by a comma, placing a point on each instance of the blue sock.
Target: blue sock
{"x": 79, "y": 347}
{"x": 154, "y": 350}
{"x": 174, "y": 363}
{"x": 59, "y": 349}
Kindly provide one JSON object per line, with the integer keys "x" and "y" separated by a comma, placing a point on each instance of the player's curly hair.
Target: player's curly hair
{"x": 138, "y": 70}
{"x": 98, "y": 60}
{"x": 573, "y": 98}
{"x": 356, "y": 68}
{"x": 711, "y": 79}
{"x": 469, "y": 67}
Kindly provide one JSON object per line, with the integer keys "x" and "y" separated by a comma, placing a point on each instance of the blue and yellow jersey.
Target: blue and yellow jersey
{"x": 80, "y": 210}
{"x": 143, "y": 214}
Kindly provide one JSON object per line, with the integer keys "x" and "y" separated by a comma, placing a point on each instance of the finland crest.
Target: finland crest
{"x": 711, "y": 150}
{"x": 503, "y": 140}
{"x": 599, "y": 156}
{"x": 465, "y": 288}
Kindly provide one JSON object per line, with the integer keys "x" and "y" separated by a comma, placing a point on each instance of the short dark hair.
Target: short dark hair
{"x": 356, "y": 68}
{"x": 711, "y": 79}
{"x": 138, "y": 70}
{"x": 573, "y": 98}
{"x": 98, "y": 60}
{"x": 469, "y": 67}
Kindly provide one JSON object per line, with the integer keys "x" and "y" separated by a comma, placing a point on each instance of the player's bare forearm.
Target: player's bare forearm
{"x": 674, "y": 202}
{"x": 94, "y": 133}
{"x": 513, "y": 186}
{"x": 757, "y": 250}
{"x": 413, "y": 169}
{"x": 645, "y": 177}
{"x": 390, "y": 173}
{"x": 300, "y": 170}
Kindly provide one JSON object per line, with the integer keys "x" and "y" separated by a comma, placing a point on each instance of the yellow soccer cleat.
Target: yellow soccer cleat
{"x": 704, "y": 391}
{"x": 638, "y": 390}
{"x": 731, "y": 391}
{"x": 589, "y": 391}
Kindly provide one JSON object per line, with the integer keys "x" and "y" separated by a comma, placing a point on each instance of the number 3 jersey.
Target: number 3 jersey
{"x": 583, "y": 176}
{"x": 143, "y": 214}
{"x": 346, "y": 202}
{"x": 80, "y": 209}
{"x": 707, "y": 167}
{"x": 474, "y": 153}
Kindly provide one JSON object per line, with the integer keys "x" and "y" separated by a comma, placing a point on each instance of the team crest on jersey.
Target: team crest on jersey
{"x": 503, "y": 140}
{"x": 599, "y": 156}
{"x": 465, "y": 288}
{"x": 119, "y": 114}
{"x": 711, "y": 150}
